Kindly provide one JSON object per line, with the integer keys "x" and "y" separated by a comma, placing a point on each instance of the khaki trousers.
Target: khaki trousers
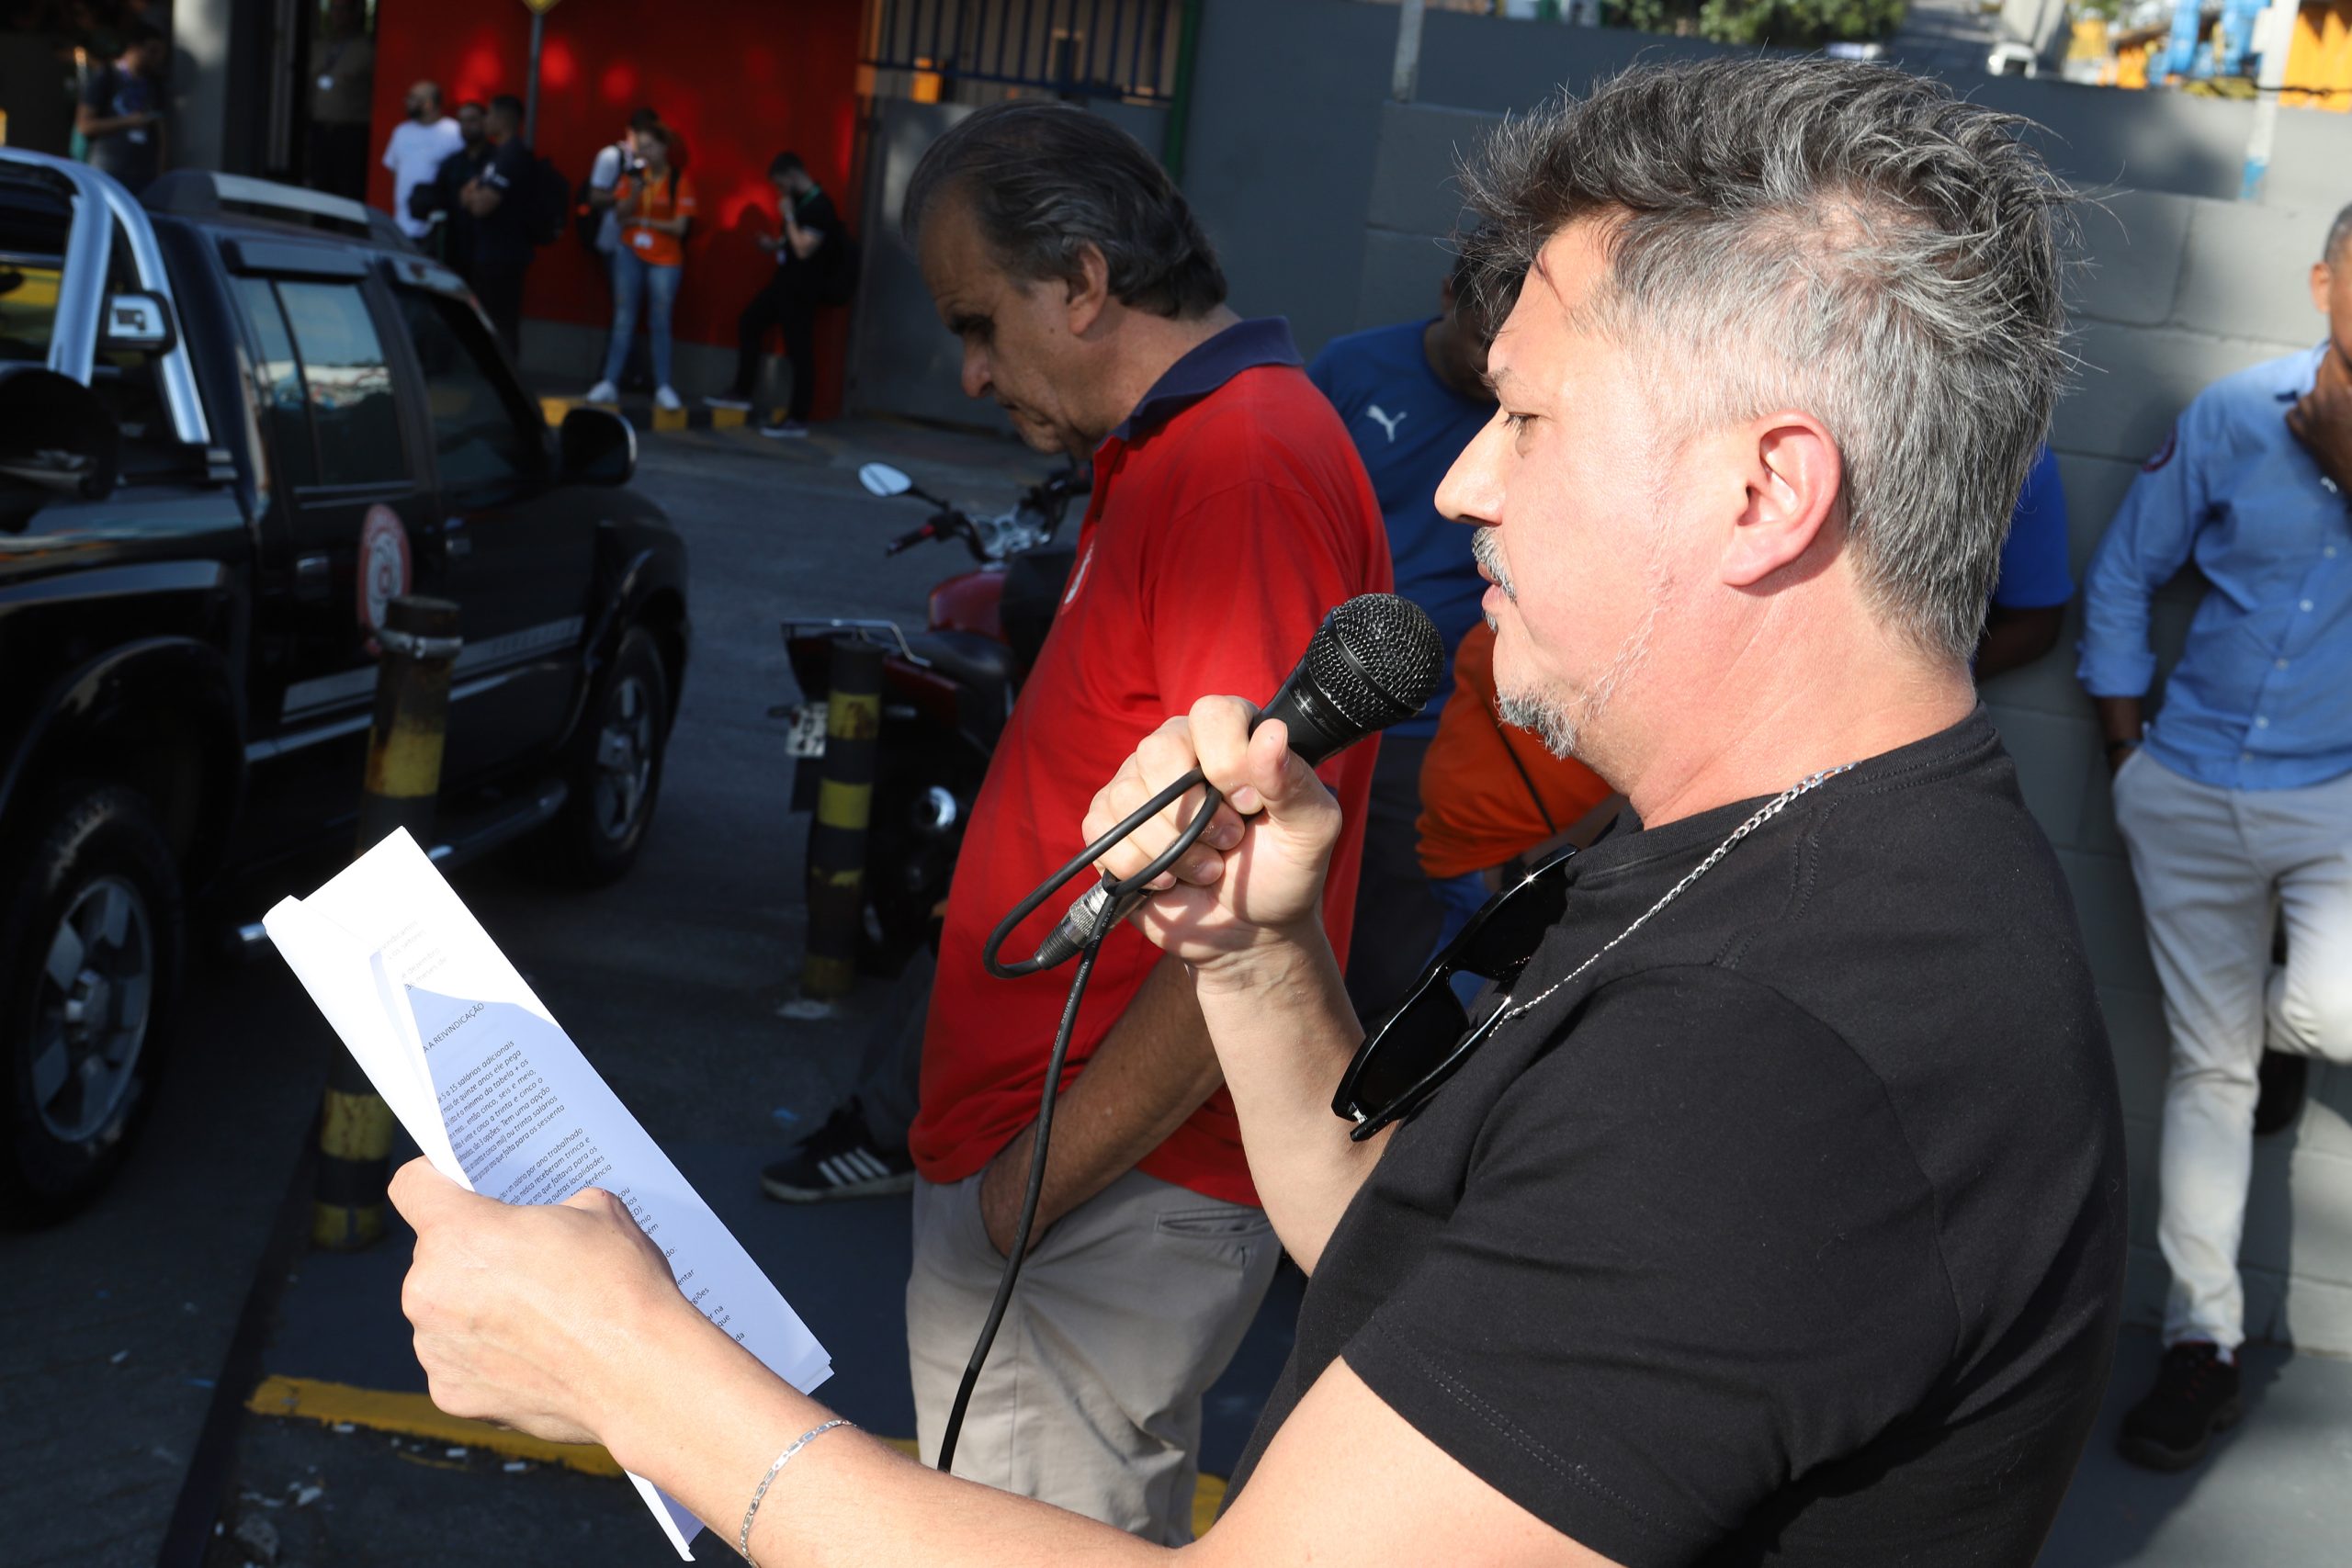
{"x": 2217, "y": 868}
{"x": 1126, "y": 1313}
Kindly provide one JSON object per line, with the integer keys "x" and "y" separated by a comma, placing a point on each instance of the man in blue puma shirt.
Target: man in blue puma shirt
{"x": 1412, "y": 396}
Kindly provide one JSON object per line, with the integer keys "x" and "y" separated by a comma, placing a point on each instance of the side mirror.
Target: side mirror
{"x": 595, "y": 447}
{"x": 56, "y": 438}
{"x": 881, "y": 479}
{"x": 135, "y": 322}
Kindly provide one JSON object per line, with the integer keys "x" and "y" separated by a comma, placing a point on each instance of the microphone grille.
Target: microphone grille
{"x": 1377, "y": 658}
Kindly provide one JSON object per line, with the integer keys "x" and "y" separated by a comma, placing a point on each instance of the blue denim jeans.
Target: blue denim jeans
{"x": 631, "y": 274}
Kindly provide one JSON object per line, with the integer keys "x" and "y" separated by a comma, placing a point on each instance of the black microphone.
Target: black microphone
{"x": 1373, "y": 662}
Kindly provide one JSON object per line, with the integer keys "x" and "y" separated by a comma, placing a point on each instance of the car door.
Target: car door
{"x": 348, "y": 523}
{"x": 519, "y": 549}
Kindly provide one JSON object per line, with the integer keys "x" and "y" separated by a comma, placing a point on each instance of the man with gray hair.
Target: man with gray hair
{"x": 1230, "y": 514}
{"x": 1773, "y": 1213}
{"x": 2235, "y": 802}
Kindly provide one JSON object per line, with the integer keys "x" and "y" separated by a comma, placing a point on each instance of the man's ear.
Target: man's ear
{"x": 2320, "y": 279}
{"x": 1089, "y": 292}
{"x": 1793, "y": 477}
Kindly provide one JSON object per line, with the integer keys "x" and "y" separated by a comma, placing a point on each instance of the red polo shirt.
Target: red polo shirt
{"x": 1229, "y": 514}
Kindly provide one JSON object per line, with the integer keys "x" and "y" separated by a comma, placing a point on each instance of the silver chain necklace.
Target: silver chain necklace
{"x": 1764, "y": 814}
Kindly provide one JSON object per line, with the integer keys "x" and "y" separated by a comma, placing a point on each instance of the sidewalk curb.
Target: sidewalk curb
{"x": 205, "y": 1485}
{"x": 415, "y": 1415}
{"x": 641, "y": 411}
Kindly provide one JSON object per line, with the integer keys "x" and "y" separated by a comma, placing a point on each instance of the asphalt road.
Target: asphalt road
{"x": 114, "y": 1326}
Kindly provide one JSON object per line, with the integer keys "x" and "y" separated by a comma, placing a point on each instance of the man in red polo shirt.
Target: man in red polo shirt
{"x": 1230, "y": 514}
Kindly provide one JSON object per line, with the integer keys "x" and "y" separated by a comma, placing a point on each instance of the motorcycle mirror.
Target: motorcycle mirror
{"x": 881, "y": 479}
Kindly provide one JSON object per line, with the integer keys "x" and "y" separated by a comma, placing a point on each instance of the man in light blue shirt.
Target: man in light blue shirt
{"x": 1412, "y": 396}
{"x": 2235, "y": 802}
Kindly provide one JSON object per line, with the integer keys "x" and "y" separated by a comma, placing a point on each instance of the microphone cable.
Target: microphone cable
{"x": 1103, "y": 919}
{"x": 1374, "y": 661}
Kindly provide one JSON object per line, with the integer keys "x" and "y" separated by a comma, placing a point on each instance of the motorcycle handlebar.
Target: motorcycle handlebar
{"x": 908, "y": 541}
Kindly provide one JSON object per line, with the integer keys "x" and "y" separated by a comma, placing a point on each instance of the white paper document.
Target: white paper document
{"x": 499, "y": 1099}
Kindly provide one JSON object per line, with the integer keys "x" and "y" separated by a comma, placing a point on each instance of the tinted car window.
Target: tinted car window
{"x": 350, "y": 387}
{"x": 277, "y": 384}
{"x": 479, "y": 434}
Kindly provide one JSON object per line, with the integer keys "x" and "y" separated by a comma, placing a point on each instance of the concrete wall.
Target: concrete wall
{"x": 2177, "y": 290}
{"x": 1285, "y": 130}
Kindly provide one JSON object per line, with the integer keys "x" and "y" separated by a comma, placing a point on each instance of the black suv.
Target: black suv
{"x": 236, "y": 418}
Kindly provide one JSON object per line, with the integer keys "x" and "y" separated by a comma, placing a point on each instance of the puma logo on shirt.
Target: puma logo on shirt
{"x": 1388, "y": 422}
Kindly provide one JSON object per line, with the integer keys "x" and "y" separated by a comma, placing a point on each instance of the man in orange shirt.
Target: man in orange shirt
{"x": 1489, "y": 791}
{"x": 656, "y": 206}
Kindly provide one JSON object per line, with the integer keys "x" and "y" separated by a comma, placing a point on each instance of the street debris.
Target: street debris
{"x": 259, "y": 1537}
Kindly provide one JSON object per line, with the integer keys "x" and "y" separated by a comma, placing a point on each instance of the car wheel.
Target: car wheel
{"x": 90, "y": 946}
{"x": 616, "y": 777}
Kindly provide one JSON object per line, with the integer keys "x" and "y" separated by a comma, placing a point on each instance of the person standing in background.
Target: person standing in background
{"x": 1412, "y": 396}
{"x": 1491, "y": 796}
{"x": 415, "y": 151}
{"x": 121, "y": 113}
{"x": 459, "y": 169}
{"x": 615, "y": 161}
{"x": 502, "y": 237}
{"x": 2030, "y": 596}
{"x": 813, "y": 268}
{"x": 655, "y": 207}
{"x": 342, "y": 86}
{"x": 2236, "y": 803}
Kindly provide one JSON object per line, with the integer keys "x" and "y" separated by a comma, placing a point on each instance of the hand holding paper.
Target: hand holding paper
{"x": 510, "y": 1343}
{"x": 504, "y": 1105}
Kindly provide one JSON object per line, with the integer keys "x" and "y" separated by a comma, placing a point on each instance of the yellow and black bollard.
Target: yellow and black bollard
{"x": 420, "y": 642}
{"x": 844, "y": 805}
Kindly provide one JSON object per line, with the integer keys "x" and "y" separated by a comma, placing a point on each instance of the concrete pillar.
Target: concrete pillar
{"x": 217, "y": 98}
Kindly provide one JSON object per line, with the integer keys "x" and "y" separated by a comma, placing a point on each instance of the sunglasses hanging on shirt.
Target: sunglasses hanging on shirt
{"x": 1411, "y": 1052}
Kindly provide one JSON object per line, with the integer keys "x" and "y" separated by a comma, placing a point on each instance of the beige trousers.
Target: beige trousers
{"x": 2217, "y": 869}
{"x": 1126, "y": 1313}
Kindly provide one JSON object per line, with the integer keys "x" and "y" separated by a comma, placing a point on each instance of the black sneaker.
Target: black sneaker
{"x": 2285, "y": 1079}
{"x": 2196, "y": 1395}
{"x": 841, "y": 1160}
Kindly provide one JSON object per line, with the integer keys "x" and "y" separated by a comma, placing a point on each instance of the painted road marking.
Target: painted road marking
{"x": 415, "y": 1415}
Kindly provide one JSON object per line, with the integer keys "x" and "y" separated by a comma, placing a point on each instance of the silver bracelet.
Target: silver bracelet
{"x": 743, "y": 1536}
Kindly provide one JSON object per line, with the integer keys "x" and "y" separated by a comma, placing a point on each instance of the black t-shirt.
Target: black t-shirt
{"x": 502, "y": 238}
{"x": 129, "y": 155}
{"x": 822, "y": 268}
{"x": 1792, "y": 1231}
{"x": 457, "y": 223}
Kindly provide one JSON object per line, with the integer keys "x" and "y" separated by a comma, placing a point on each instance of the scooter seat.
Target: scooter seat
{"x": 981, "y": 664}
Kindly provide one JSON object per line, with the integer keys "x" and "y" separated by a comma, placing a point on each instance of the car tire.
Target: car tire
{"x": 616, "y": 776}
{"x": 91, "y": 942}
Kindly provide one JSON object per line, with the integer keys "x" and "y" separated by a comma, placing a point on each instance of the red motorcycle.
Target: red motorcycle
{"x": 947, "y": 693}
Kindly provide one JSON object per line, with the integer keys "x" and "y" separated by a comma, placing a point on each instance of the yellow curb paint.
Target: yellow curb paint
{"x": 415, "y": 1415}
{"x": 552, "y": 410}
{"x": 725, "y": 418}
{"x": 1208, "y": 1497}
{"x": 669, "y": 419}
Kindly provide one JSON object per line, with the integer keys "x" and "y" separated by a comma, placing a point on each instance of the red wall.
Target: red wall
{"x": 739, "y": 80}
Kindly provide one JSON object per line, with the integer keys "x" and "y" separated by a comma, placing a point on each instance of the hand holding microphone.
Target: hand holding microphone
{"x": 1258, "y": 869}
{"x": 1375, "y": 660}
